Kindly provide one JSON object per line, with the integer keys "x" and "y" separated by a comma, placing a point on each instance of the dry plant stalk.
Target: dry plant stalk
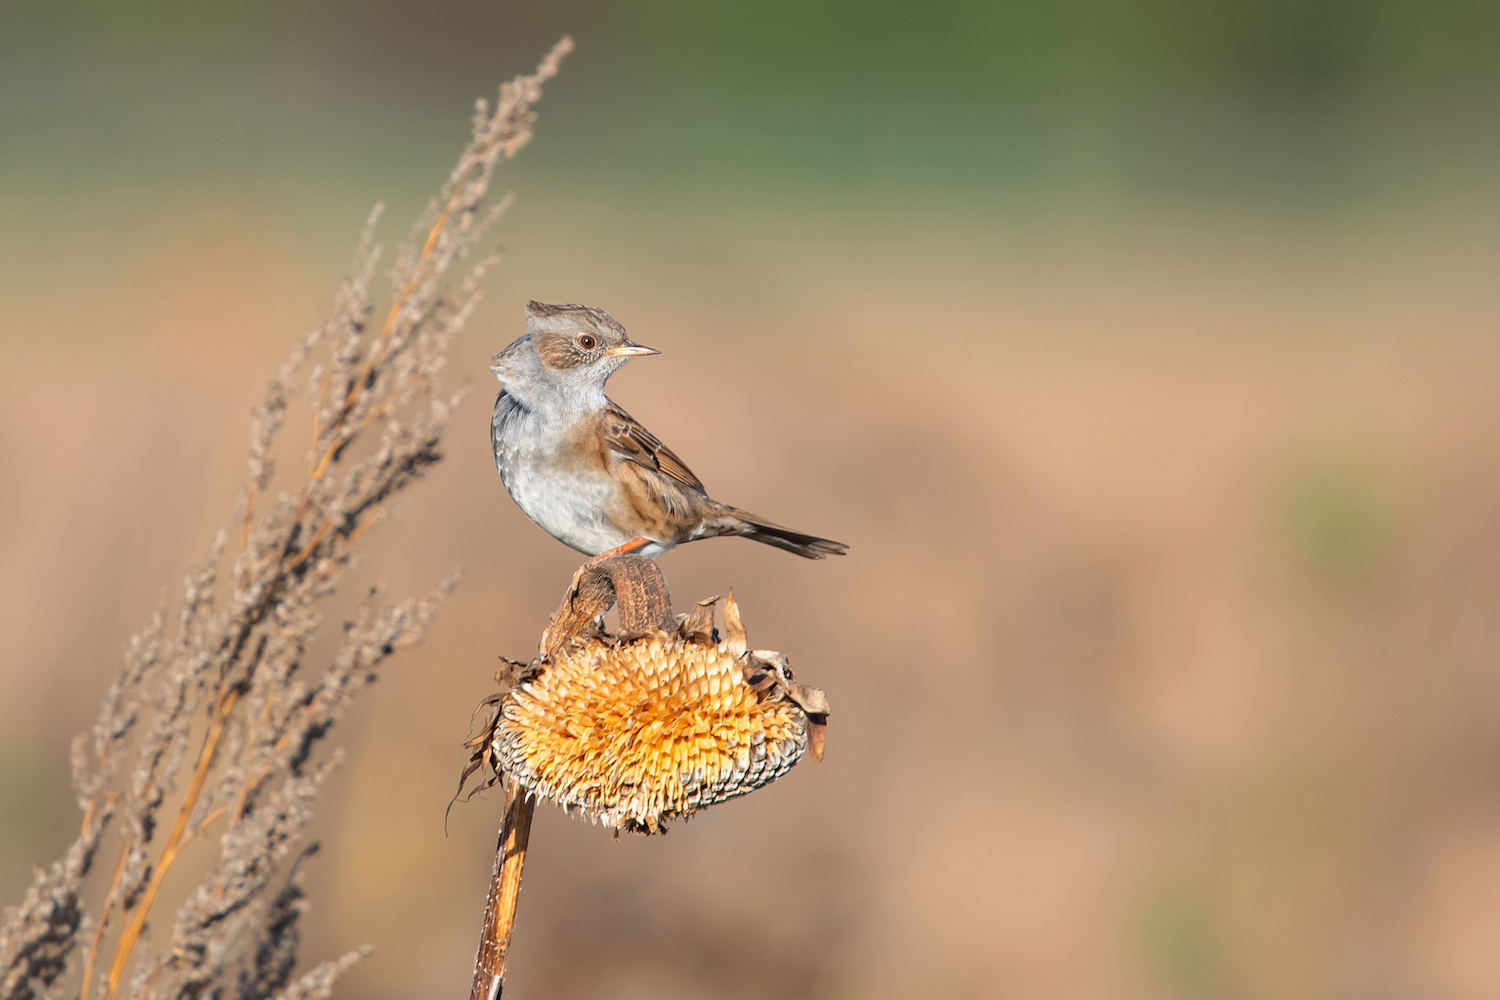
{"x": 656, "y": 722}
{"x": 236, "y": 661}
{"x": 505, "y": 893}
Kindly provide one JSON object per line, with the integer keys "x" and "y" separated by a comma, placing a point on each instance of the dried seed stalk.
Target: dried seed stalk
{"x": 505, "y": 892}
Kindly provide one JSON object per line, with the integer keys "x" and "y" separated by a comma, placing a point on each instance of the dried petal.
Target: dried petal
{"x": 698, "y": 625}
{"x": 734, "y": 628}
{"x": 810, "y": 699}
{"x": 817, "y": 729}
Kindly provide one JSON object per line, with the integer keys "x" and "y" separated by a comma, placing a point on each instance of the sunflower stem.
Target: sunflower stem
{"x": 505, "y": 891}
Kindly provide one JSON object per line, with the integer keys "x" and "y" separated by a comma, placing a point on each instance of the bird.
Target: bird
{"x": 585, "y": 470}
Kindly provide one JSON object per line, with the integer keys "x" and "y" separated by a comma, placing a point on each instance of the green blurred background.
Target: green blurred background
{"x": 1145, "y": 353}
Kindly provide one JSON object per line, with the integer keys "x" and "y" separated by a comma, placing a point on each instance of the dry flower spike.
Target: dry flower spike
{"x": 214, "y": 728}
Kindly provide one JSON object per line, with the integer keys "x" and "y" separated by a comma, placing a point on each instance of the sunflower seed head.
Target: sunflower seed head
{"x": 632, "y": 734}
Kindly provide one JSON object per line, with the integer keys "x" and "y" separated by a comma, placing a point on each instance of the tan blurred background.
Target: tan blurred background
{"x": 1145, "y": 353}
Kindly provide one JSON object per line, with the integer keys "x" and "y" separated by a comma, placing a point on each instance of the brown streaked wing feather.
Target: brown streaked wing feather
{"x": 628, "y": 439}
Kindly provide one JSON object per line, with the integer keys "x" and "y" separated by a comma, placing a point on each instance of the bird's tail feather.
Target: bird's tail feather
{"x": 742, "y": 522}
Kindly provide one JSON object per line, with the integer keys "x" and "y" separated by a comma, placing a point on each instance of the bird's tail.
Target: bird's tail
{"x": 734, "y": 521}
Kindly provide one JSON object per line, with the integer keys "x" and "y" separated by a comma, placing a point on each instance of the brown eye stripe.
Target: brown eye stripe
{"x": 559, "y": 351}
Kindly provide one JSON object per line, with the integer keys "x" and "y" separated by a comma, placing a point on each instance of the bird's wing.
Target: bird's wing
{"x": 632, "y": 442}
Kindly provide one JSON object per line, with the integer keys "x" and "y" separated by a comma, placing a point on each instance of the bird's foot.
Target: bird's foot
{"x": 619, "y": 550}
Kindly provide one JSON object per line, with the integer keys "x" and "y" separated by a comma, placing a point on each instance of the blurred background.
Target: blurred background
{"x": 1145, "y": 352}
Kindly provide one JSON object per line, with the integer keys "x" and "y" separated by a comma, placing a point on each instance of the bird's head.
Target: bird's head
{"x": 572, "y": 348}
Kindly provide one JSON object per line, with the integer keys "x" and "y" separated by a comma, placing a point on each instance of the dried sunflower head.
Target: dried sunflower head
{"x": 635, "y": 730}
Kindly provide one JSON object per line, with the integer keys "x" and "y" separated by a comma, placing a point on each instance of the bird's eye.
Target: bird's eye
{"x": 586, "y": 342}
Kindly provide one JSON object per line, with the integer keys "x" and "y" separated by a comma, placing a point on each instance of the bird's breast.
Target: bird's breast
{"x": 555, "y": 476}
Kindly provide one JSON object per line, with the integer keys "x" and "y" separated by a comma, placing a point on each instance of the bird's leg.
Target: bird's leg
{"x": 620, "y": 550}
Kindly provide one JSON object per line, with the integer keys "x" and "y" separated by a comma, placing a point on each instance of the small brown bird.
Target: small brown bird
{"x": 583, "y": 468}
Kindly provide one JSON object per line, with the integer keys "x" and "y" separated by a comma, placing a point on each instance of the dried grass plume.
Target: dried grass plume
{"x": 213, "y": 725}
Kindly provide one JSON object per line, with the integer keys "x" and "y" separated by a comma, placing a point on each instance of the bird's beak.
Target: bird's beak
{"x": 631, "y": 349}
